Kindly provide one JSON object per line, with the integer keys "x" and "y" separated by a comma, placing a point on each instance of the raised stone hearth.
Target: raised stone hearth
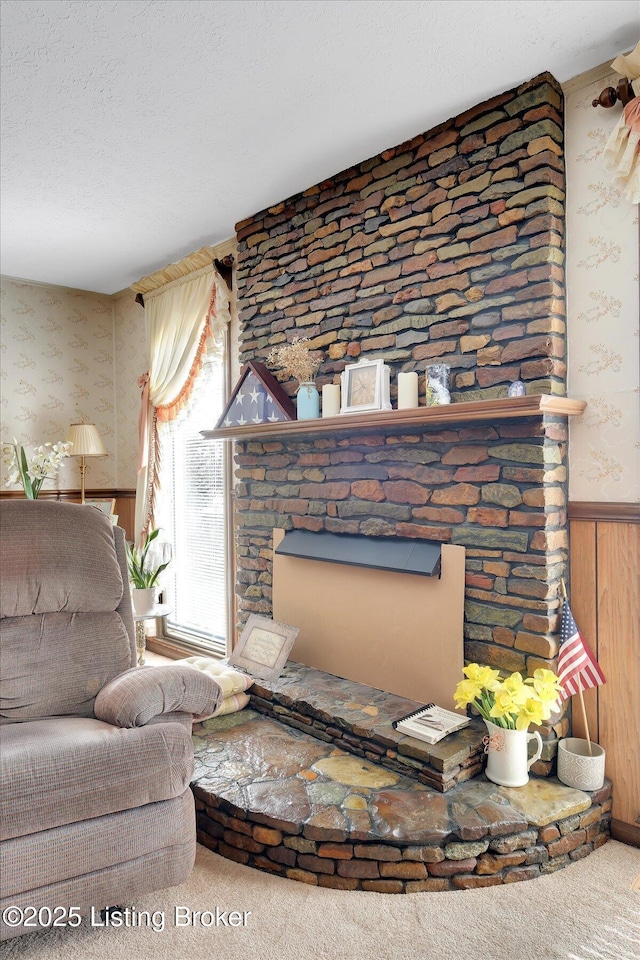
{"x": 279, "y": 800}
{"x": 358, "y": 719}
{"x": 298, "y": 796}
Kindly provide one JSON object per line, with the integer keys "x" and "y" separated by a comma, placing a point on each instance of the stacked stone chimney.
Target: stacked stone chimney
{"x": 446, "y": 248}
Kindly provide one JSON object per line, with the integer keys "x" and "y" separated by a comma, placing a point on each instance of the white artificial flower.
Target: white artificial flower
{"x": 44, "y": 464}
{"x": 62, "y": 448}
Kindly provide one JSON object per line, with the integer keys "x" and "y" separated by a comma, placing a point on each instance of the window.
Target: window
{"x": 193, "y": 506}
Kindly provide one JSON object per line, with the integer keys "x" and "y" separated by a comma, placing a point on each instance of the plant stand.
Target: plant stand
{"x": 162, "y": 610}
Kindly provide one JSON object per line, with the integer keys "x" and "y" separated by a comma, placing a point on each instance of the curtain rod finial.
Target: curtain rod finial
{"x": 225, "y": 269}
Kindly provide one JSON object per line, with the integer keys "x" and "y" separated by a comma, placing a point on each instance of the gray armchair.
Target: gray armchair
{"x": 95, "y": 754}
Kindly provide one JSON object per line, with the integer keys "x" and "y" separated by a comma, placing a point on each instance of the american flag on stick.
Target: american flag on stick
{"x": 577, "y": 667}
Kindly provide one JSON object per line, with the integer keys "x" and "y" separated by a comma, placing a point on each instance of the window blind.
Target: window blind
{"x": 193, "y": 514}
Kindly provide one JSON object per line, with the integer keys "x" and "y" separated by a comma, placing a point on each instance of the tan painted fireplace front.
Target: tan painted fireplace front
{"x": 400, "y": 632}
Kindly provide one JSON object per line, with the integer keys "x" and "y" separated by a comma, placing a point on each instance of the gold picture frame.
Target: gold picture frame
{"x": 106, "y": 505}
{"x": 264, "y": 647}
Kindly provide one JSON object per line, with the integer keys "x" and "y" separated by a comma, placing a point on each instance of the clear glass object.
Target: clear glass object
{"x": 438, "y": 379}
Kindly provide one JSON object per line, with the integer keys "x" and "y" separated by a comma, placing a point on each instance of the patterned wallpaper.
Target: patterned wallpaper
{"x": 130, "y": 363}
{"x": 603, "y": 286}
{"x": 69, "y": 355}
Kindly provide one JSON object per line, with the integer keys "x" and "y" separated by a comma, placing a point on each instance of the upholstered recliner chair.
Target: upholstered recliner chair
{"x": 95, "y": 753}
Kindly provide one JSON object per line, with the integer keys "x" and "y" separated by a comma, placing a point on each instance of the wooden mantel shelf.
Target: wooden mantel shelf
{"x": 477, "y": 411}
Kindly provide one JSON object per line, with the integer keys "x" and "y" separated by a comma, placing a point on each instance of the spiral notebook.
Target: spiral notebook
{"x": 430, "y": 723}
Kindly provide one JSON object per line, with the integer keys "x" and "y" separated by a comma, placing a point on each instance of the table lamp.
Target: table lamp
{"x": 86, "y": 443}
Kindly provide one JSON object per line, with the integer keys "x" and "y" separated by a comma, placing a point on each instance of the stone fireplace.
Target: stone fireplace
{"x": 448, "y": 247}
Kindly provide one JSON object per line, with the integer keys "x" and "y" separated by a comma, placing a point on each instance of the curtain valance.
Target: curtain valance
{"x": 186, "y": 313}
{"x": 203, "y": 257}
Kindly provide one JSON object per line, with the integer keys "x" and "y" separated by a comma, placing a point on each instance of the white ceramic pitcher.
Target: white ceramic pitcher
{"x": 506, "y": 750}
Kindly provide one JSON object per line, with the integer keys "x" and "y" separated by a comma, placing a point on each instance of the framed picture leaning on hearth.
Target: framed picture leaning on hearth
{"x": 365, "y": 386}
{"x": 263, "y": 648}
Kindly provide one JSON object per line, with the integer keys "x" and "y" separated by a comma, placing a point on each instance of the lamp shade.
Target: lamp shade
{"x": 86, "y": 441}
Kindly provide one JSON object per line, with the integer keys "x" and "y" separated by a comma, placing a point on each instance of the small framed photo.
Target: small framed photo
{"x": 365, "y": 386}
{"x": 264, "y": 647}
{"x": 106, "y": 505}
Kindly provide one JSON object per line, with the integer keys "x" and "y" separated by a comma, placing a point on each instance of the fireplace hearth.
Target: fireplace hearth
{"x": 358, "y": 718}
{"x": 312, "y": 783}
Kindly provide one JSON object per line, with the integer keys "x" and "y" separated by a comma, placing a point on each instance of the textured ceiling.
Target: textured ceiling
{"x": 134, "y": 131}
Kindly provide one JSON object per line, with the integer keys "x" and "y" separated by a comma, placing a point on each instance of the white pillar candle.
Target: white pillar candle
{"x": 331, "y": 400}
{"x": 407, "y": 391}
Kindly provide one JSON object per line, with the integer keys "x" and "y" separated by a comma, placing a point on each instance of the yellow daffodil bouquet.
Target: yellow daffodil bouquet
{"x": 512, "y": 703}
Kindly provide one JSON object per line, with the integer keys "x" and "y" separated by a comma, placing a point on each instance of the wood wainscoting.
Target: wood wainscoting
{"x": 605, "y": 581}
{"x": 125, "y": 502}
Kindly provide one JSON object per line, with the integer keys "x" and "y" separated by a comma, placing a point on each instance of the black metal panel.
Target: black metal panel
{"x": 382, "y": 553}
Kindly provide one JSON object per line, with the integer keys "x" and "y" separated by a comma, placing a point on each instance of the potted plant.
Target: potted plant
{"x": 298, "y": 362}
{"x": 508, "y": 707}
{"x": 145, "y": 566}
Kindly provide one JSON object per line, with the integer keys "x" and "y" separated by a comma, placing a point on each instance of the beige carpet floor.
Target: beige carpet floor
{"x": 588, "y": 911}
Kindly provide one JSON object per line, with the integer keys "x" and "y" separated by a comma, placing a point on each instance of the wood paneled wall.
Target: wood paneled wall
{"x": 605, "y": 587}
{"x": 125, "y": 502}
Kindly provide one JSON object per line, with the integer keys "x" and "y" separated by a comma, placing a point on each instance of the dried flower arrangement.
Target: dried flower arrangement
{"x": 296, "y": 359}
